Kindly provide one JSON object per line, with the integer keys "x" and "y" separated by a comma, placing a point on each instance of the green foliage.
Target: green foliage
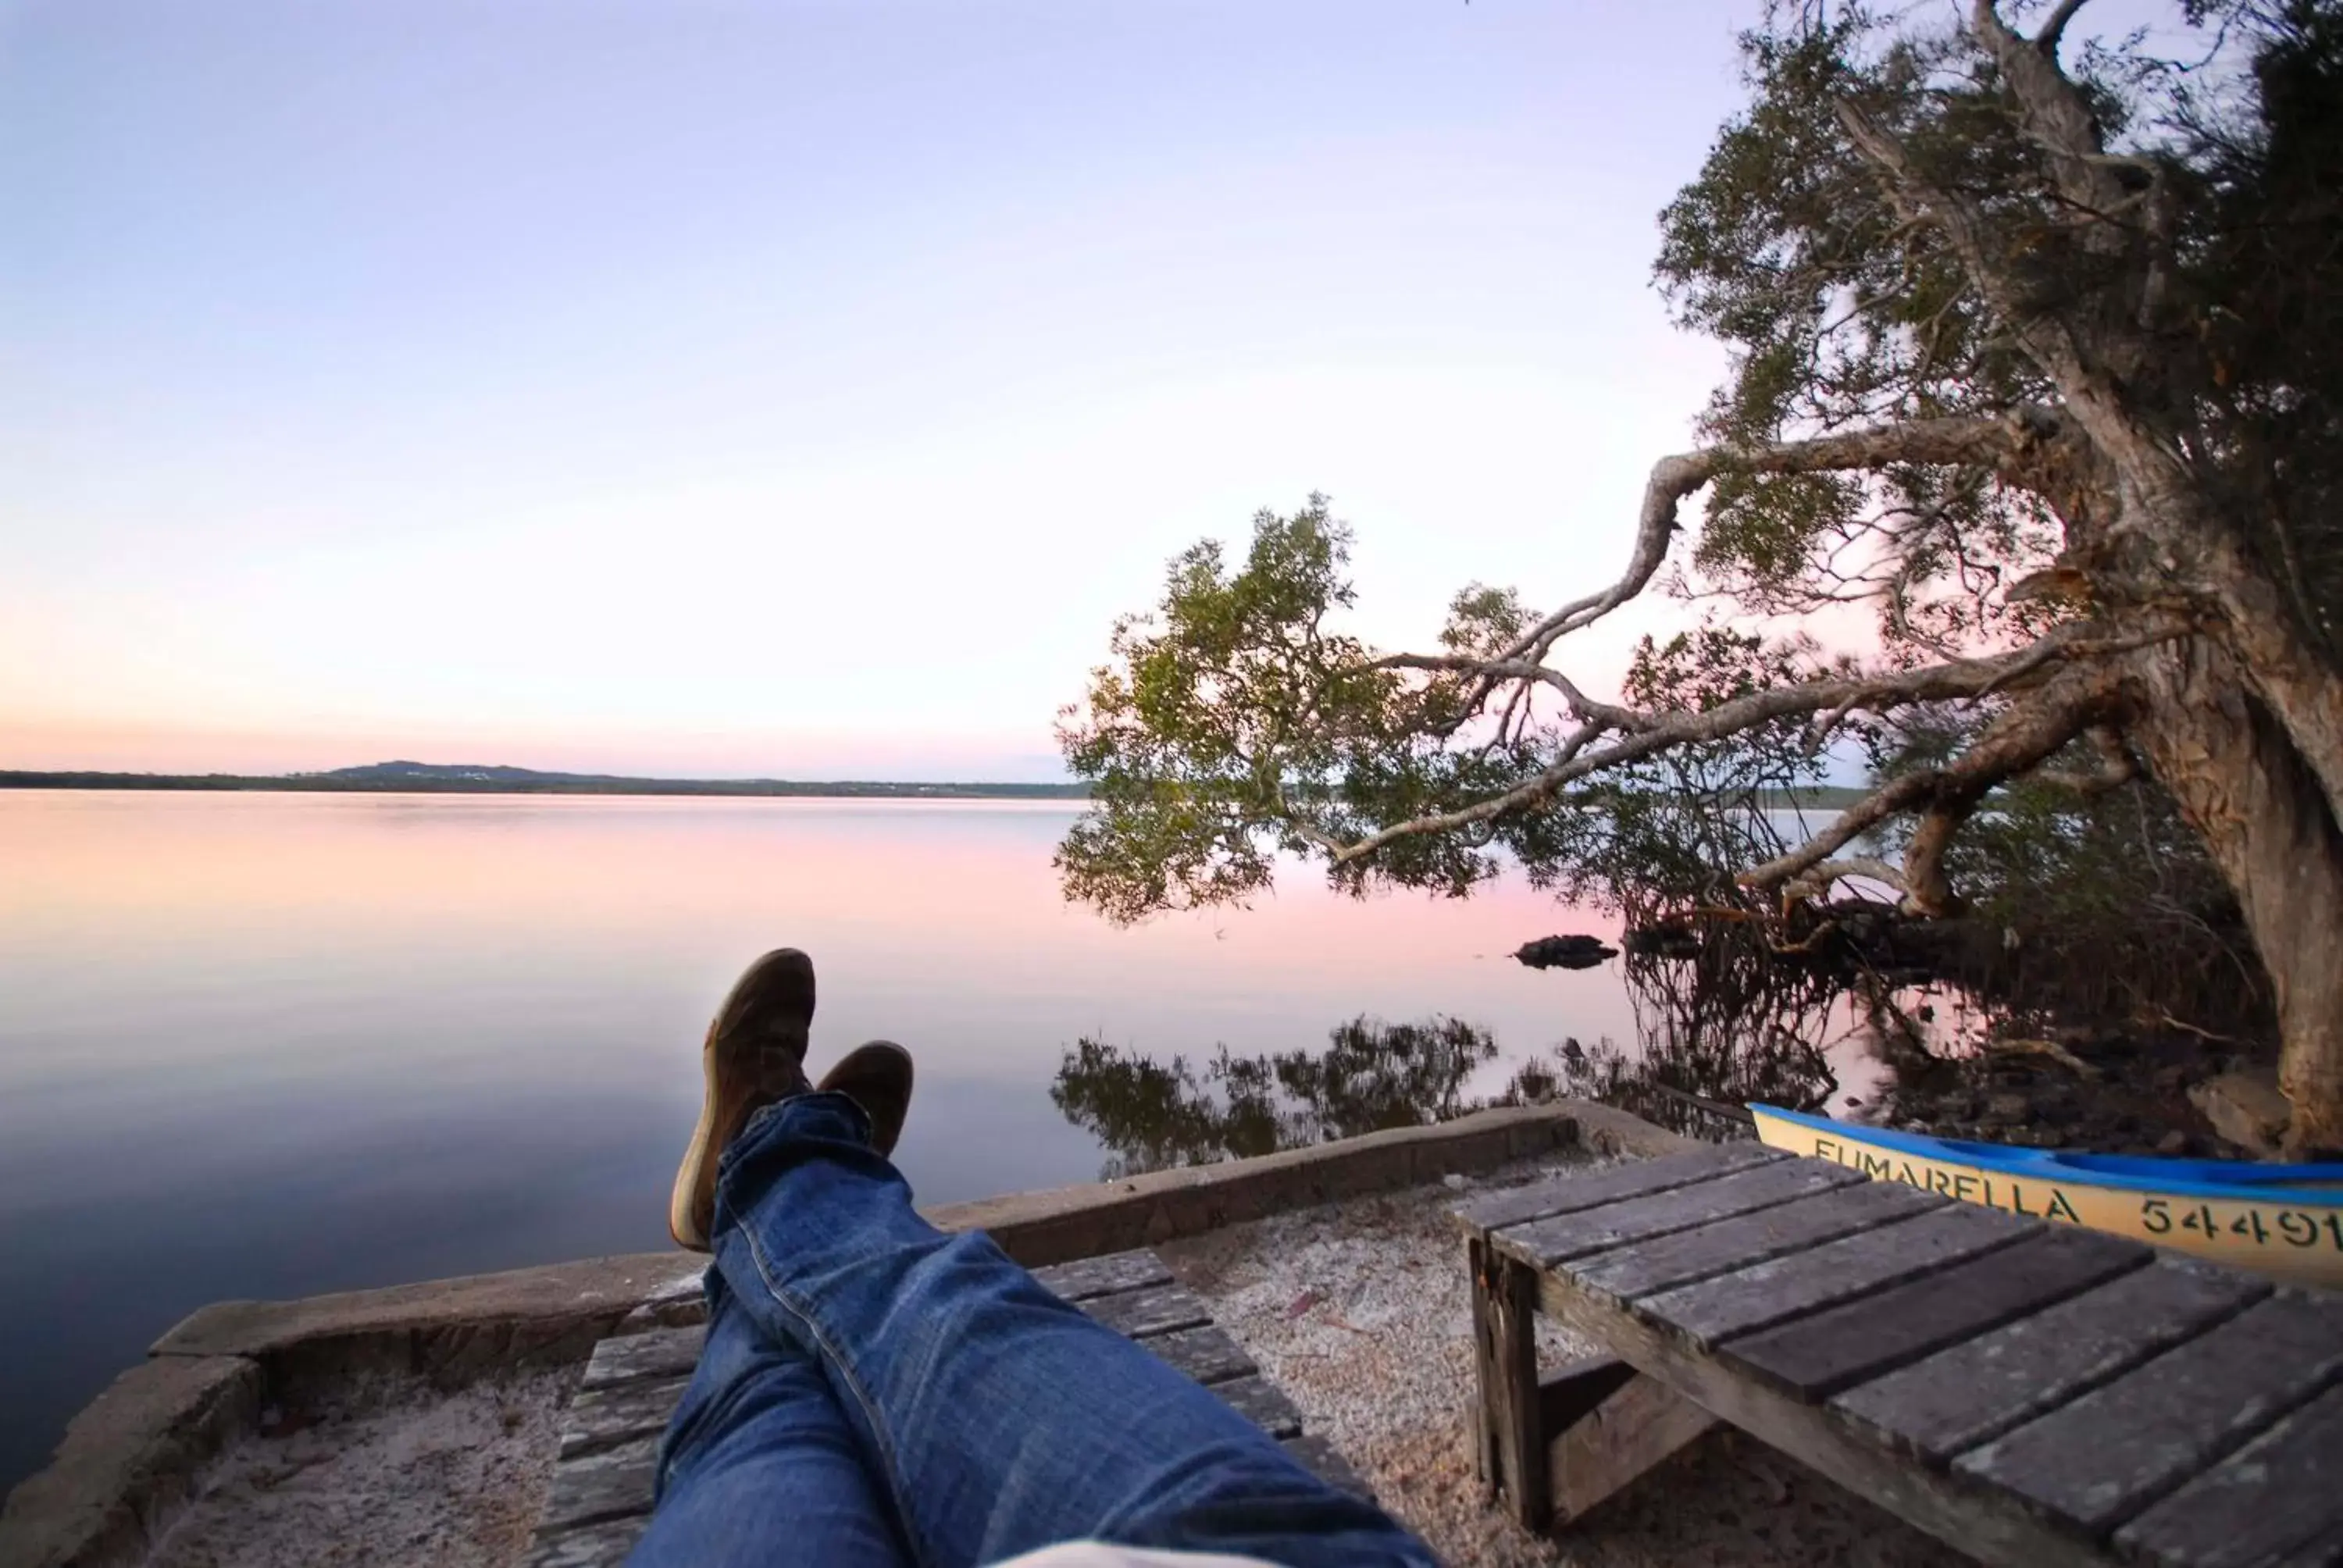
{"x": 1840, "y": 316}
{"x": 1236, "y": 725}
{"x": 1222, "y": 711}
{"x": 2269, "y": 384}
{"x": 1675, "y": 828}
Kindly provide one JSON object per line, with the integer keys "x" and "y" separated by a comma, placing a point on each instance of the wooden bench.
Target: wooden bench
{"x": 2031, "y": 1394}
{"x": 601, "y": 1500}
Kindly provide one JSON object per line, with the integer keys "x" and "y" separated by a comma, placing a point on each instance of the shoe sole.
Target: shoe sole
{"x": 697, "y": 1153}
{"x": 680, "y": 1225}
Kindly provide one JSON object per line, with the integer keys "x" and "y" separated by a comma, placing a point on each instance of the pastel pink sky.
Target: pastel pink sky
{"x": 712, "y": 387}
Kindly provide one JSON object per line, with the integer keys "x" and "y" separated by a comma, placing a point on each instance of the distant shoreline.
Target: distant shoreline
{"x": 433, "y": 778}
{"x": 518, "y": 781}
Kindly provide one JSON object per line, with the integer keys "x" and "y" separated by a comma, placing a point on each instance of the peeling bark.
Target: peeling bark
{"x": 2240, "y": 781}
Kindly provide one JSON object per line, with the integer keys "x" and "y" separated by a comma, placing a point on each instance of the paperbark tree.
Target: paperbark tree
{"x": 2037, "y": 352}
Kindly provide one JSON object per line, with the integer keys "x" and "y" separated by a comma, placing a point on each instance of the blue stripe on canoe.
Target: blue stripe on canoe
{"x": 2319, "y": 1185}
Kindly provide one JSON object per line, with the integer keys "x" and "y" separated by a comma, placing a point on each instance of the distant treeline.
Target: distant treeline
{"x": 1829, "y": 797}
{"x": 418, "y": 777}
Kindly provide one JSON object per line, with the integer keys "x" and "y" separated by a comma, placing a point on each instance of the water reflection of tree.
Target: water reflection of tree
{"x": 1728, "y": 1024}
{"x": 1732, "y": 1022}
{"x": 1371, "y": 1075}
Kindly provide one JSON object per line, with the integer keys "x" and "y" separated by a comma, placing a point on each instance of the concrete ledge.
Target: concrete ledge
{"x": 127, "y": 1460}
{"x": 1607, "y": 1130}
{"x": 448, "y": 1329}
{"x": 1038, "y": 1229}
{"x": 420, "y": 1328}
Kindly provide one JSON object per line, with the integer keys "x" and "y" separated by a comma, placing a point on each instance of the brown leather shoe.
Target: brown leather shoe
{"x": 755, "y": 1055}
{"x": 877, "y": 1078}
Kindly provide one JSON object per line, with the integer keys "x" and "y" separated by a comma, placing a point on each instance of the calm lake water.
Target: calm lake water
{"x": 261, "y": 1046}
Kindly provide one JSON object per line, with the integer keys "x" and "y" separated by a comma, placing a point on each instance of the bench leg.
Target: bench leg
{"x": 1512, "y": 1447}
{"x": 1609, "y": 1425}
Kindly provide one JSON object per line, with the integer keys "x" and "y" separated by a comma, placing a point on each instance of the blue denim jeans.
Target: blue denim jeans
{"x": 875, "y": 1391}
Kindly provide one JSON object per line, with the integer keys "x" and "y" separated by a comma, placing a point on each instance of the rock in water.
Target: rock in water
{"x": 1569, "y": 952}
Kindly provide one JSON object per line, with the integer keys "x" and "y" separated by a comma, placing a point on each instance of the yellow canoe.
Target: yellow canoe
{"x": 2280, "y": 1220}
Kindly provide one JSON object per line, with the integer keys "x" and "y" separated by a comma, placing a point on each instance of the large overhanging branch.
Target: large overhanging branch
{"x": 1953, "y": 680}
{"x": 2073, "y": 701}
{"x": 1998, "y": 444}
{"x": 1981, "y": 441}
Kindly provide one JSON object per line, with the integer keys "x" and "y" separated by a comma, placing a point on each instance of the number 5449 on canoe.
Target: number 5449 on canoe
{"x": 2282, "y": 1219}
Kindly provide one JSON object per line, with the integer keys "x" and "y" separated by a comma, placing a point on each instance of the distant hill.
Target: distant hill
{"x": 485, "y": 778}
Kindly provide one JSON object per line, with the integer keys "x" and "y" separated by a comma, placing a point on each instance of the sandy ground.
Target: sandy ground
{"x": 1358, "y": 1312}
{"x": 415, "y": 1478}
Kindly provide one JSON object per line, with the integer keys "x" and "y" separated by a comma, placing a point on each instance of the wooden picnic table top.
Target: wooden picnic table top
{"x": 2031, "y": 1392}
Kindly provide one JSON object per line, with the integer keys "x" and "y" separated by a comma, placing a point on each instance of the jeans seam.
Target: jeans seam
{"x": 881, "y": 1438}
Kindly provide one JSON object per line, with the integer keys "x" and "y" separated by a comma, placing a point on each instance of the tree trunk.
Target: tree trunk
{"x": 2265, "y": 817}
{"x": 2199, "y": 547}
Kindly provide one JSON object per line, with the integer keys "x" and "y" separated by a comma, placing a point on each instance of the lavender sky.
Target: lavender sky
{"x": 681, "y": 386}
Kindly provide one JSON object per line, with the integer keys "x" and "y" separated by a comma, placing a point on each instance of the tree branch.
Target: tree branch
{"x": 2055, "y": 26}
{"x": 1950, "y": 681}
{"x": 1985, "y": 441}
{"x": 2053, "y": 112}
{"x": 1819, "y": 878}
{"x": 2080, "y": 696}
{"x": 2117, "y": 767}
{"x": 1920, "y": 200}
{"x": 1582, "y": 707}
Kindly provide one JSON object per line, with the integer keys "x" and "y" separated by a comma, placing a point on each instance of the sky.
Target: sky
{"x": 684, "y": 386}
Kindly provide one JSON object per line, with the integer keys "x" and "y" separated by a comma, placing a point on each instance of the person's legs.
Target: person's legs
{"x": 760, "y": 1466}
{"x": 1000, "y": 1419}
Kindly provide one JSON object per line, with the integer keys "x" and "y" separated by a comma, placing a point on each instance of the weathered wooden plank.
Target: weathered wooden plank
{"x": 1817, "y": 1355}
{"x": 1992, "y": 1528}
{"x": 2098, "y": 1460}
{"x": 1206, "y": 1354}
{"x": 1261, "y": 1402}
{"x": 1489, "y": 1366}
{"x": 1719, "y": 1249}
{"x": 603, "y": 1546}
{"x": 1576, "y": 1190}
{"x": 1325, "y": 1461}
{"x": 1970, "y": 1392}
{"x": 1570, "y": 1392}
{"x": 1141, "y": 1315}
{"x": 1641, "y": 1423}
{"x": 593, "y": 1487}
{"x": 1512, "y": 1443}
{"x": 1544, "y": 1243}
{"x": 606, "y": 1417}
{"x": 661, "y": 1353}
{"x": 1771, "y": 1292}
{"x": 1105, "y": 1275}
{"x": 2278, "y": 1498}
